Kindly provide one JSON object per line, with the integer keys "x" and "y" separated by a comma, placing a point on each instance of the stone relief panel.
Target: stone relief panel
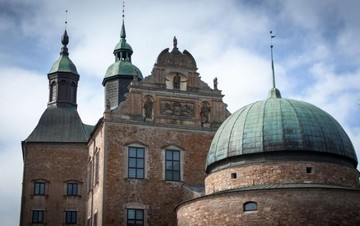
{"x": 177, "y": 108}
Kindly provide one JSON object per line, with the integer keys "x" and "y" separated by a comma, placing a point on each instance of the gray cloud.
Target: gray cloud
{"x": 316, "y": 52}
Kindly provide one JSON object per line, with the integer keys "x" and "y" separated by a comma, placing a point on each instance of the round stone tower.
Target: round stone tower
{"x": 278, "y": 162}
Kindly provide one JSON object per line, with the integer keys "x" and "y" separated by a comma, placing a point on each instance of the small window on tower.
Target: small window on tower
{"x": 250, "y": 206}
{"x": 39, "y": 188}
{"x": 233, "y": 175}
{"x": 309, "y": 170}
{"x": 72, "y": 189}
{"x": 38, "y": 216}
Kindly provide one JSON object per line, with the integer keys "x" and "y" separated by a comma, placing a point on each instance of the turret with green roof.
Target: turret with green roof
{"x": 119, "y": 74}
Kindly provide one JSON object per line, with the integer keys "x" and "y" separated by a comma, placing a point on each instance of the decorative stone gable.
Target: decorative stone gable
{"x": 173, "y": 94}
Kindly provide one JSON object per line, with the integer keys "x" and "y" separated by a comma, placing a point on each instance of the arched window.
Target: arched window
{"x": 250, "y": 206}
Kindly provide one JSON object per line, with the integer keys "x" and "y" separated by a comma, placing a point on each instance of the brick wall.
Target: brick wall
{"x": 158, "y": 196}
{"x": 290, "y": 207}
{"x": 55, "y": 164}
{"x": 279, "y": 172}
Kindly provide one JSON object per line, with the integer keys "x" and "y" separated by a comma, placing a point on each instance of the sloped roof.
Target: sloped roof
{"x": 279, "y": 125}
{"x": 58, "y": 124}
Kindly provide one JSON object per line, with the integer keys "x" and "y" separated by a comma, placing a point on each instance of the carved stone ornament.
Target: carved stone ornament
{"x": 176, "y": 108}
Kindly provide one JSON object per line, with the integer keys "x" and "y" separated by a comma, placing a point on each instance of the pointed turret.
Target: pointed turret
{"x": 120, "y": 74}
{"x": 61, "y": 122}
{"x": 63, "y": 78}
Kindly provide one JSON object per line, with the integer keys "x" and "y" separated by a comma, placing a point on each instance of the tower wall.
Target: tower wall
{"x": 274, "y": 207}
{"x": 281, "y": 172}
{"x": 55, "y": 165}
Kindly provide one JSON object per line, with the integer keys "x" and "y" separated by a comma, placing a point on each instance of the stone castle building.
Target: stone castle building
{"x": 167, "y": 152}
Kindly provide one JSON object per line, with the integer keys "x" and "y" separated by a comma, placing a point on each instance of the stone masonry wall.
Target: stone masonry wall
{"x": 56, "y": 164}
{"x": 278, "y": 207}
{"x": 280, "y": 173}
{"x": 158, "y": 197}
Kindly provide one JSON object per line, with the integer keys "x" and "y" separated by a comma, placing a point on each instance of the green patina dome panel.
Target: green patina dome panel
{"x": 279, "y": 124}
{"x": 123, "y": 69}
{"x": 63, "y": 64}
{"x": 123, "y": 46}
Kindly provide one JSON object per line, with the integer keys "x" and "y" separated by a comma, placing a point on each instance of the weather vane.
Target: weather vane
{"x": 272, "y": 58}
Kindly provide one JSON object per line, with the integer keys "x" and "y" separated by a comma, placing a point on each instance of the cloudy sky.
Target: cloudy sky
{"x": 317, "y": 58}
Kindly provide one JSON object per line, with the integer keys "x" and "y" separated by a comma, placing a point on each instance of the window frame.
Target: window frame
{"x": 35, "y": 219}
{"x": 39, "y": 188}
{"x": 248, "y": 208}
{"x": 70, "y": 217}
{"x": 135, "y": 219}
{"x": 71, "y": 185}
{"x": 175, "y": 174}
{"x": 136, "y": 169}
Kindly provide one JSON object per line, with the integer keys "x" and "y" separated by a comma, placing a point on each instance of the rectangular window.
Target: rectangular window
{"x": 38, "y": 216}
{"x": 172, "y": 165}
{"x": 136, "y": 163}
{"x": 39, "y": 188}
{"x": 70, "y": 217}
{"x": 135, "y": 217}
{"x": 72, "y": 189}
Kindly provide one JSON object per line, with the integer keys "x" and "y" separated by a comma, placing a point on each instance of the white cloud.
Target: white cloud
{"x": 317, "y": 57}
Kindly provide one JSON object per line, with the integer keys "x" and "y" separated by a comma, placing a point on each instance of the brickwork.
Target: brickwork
{"x": 158, "y": 195}
{"x": 285, "y": 207}
{"x": 281, "y": 172}
{"x": 54, "y": 164}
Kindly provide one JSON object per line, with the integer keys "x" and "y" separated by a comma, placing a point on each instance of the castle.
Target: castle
{"x": 167, "y": 152}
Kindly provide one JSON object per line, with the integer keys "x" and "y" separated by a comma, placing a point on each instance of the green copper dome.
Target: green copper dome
{"x": 123, "y": 46}
{"x": 123, "y": 69}
{"x": 278, "y": 125}
{"x": 64, "y": 64}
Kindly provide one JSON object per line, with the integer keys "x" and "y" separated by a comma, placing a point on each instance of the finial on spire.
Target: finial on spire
{"x": 65, "y": 37}
{"x": 274, "y": 92}
{"x": 123, "y": 32}
{"x": 272, "y": 59}
{"x": 175, "y": 42}
{"x": 66, "y": 12}
{"x": 123, "y": 10}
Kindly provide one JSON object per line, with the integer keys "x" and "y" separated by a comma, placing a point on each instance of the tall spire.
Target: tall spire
{"x": 123, "y": 32}
{"x": 272, "y": 59}
{"x": 274, "y": 92}
{"x": 65, "y": 40}
{"x": 123, "y": 50}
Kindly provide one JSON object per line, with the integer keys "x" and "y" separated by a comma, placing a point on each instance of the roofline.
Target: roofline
{"x": 269, "y": 187}
{"x": 288, "y": 155}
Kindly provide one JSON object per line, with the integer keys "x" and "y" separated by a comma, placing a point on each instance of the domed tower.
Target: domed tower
{"x": 120, "y": 74}
{"x": 278, "y": 162}
{"x": 55, "y": 153}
